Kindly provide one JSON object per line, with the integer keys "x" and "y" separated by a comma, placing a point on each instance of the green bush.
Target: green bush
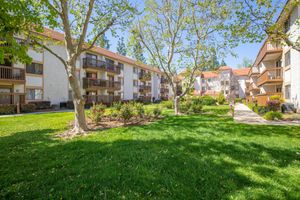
{"x": 195, "y": 108}
{"x": 126, "y": 112}
{"x": 156, "y": 112}
{"x": 273, "y": 115}
{"x": 184, "y": 106}
{"x": 139, "y": 109}
{"x": 97, "y": 112}
{"x": 167, "y": 104}
{"x": 238, "y": 100}
{"x": 7, "y": 109}
{"x": 27, "y": 108}
{"x": 261, "y": 110}
{"x": 221, "y": 99}
{"x": 276, "y": 97}
{"x": 273, "y": 105}
{"x": 208, "y": 100}
{"x": 117, "y": 106}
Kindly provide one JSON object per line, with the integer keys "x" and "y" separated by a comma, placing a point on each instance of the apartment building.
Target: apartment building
{"x": 104, "y": 77}
{"x": 276, "y": 70}
{"x": 230, "y": 82}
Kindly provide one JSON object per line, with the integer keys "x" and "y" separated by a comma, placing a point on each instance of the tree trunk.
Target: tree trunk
{"x": 80, "y": 125}
{"x": 176, "y": 105}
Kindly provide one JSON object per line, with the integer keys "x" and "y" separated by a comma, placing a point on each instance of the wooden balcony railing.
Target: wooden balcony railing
{"x": 102, "y": 65}
{"x": 270, "y": 75}
{"x": 113, "y": 85}
{"x": 101, "y": 84}
{"x": 145, "y": 76}
{"x": 144, "y": 88}
{"x": 12, "y": 74}
{"x": 12, "y": 98}
{"x": 105, "y": 99}
{"x": 253, "y": 86}
{"x": 262, "y": 99}
{"x": 254, "y": 71}
{"x": 267, "y": 48}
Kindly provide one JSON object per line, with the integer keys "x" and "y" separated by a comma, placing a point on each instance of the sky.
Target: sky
{"x": 247, "y": 50}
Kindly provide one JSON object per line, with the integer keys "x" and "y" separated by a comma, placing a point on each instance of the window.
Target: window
{"x": 34, "y": 94}
{"x": 121, "y": 65}
{"x": 121, "y": 80}
{"x": 135, "y": 95}
{"x": 226, "y": 92}
{"x": 135, "y": 70}
{"x": 209, "y": 80}
{"x": 203, "y": 89}
{"x": 288, "y": 92}
{"x": 91, "y": 56}
{"x": 34, "y": 68}
{"x": 287, "y": 24}
{"x": 135, "y": 83}
{"x": 287, "y": 58}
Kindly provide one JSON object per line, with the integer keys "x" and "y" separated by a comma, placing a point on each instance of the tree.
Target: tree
{"x": 103, "y": 42}
{"x": 121, "y": 48}
{"x": 186, "y": 34}
{"x": 135, "y": 48}
{"x": 81, "y": 20}
{"x": 245, "y": 63}
{"x": 223, "y": 63}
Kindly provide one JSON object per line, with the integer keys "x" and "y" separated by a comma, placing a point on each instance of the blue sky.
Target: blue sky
{"x": 247, "y": 50}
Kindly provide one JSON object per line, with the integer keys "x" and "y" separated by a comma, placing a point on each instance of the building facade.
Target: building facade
{"x": 276, "y": 70}
{"x": 104, "y": 77}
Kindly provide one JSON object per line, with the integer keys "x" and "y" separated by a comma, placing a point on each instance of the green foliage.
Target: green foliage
{"x": 156, "y": 112}
{"x": 121, "y": 48}
{"x": 117, "y": 106}
{"x": 27, "y": 108}
{"x": 191, "y": 105}
{"x": 221, "y": 99}
{"x": 245, "y": 63}
{"x": 139, "y": 109}
{"x": 7, "y": 109}
{"x": 273, "y": 105}
{"x": 103, "y": 42}
{"x": 97, "y": 112}
{"x": 195, "y": 108}
{"x": 238, "y": 100}
{"x": 167, "y": 104}
{"x": 276, "y": 97}
{"x": 126, "y": 112}
{"x": 208, "y": 100}
{"x": 271, "y": 115}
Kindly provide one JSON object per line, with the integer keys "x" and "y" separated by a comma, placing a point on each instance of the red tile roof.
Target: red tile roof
{"x": 209, "y": 74}
{"x": 225, "y": 68}
{"x": 60, "y": 37}
{"x": 241, "y": 72}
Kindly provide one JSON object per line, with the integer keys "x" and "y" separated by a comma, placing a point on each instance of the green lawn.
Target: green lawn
{"x": 188, "y": 157}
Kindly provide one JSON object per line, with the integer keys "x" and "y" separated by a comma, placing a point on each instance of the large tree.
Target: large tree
{"x": 121, "y": 47}
{"x": 186, "y": 34}
{"x": 81, "y": 21}
{"x": 246, "y": 62}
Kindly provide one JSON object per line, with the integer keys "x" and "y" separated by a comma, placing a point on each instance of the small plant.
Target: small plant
{"x": 238, "y": 100}
{"x": 195, "y": 108}
{"x": 117, "y": 106}
{"x": 26, "y": 108}
{"x": 276, "y": 97}
{"x": 185, "y": 106}
{"x": 139, "y": 109}
{"x": 126, "y": 112}
{"x": 273, "y": 105}
{"x": 167, "y": 104}
{"x": 97, "y": 112}
{"x": 208, "y": 100}
{"x": 7, "y": 109}
{"x": 156, "y": 112}
{"x": 221, "y": 99}
{"x": 273, "y": 115}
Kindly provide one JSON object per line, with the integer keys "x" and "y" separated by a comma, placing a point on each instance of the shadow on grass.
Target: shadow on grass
{"x": 176, "y": 166}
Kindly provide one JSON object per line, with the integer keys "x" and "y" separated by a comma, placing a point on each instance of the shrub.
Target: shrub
{"x": 195, "y": 108}
{"x": 97, "y": 112}
{"x": 184, "y": 106}
{"x": 156, "y": 112}
{"x": 167, "y": 104}
{"x": 208, "y": 100}
{"x": 126, "y": 112}
{"x": 276, "y": 97}
{"x": 238, "y": 100}
{"x": 273, "y": 105}
{"x": 139, "y": 109}
{"x": 7, "y": 109}
{"x": 117, "y": 106}
{"x": 41, "y": 104}
{"x": 26, "y": 108}
{"x": 261, "y": 110}
{"x": 273, "y": 115}
{"x": 221, "y": 99}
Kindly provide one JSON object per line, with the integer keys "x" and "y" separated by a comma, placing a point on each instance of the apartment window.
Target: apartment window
{"x": 226, "y": 82}
{"x": 121, "y": 80}
{"x": 209, "y": 80}
{"x": 135, "y": 70}
{"x": 287, "y": 58}
{"x": 109, "y": 62}
{"x": 135, "y": 83}
{"x": 135, "y": 95}
{"x": 121, "y": 65}
{"x": 226, "y": 92}
{"x": 203, "y": 89}
{"x": 288, "y": 92}
{"x": 34, "y": 94}
{"x": 91, "y": 56}
{"x": 222, "y": 82}
{"x": 203, "y": 80}
{"x": 287, "y": 24}
{"x": 278, "y": 89}
{"x": 34, "y": 68}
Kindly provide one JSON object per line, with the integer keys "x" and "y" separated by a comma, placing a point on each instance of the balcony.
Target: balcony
{"x": 262, "y": 99}
{"x": 90, "y": 83}
{"x": 105, "y": 99}
{"x": 163, "y": 80}
{"x": 268, "y": 48}
{"x": 144, "y": 88}
{"x": 145, "y": 99}
{"x": 12, "y": 98}
{"x": 101, "y": 65}
{"x": 113, "y": 85}
{"x": 270, "y": 76}
{"x": 164, "y": 90}
{"x": 145, "y": 76}
{"x": 253, "y": 87}
{"x": 12, "y": 74}
{"x": 254, "y": 71}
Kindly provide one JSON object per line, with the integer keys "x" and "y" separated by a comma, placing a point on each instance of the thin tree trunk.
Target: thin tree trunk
{"x": 80, "y": 125}
{"x": 176, "y": 105}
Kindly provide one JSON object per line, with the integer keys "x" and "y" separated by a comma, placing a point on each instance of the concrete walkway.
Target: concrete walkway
{"x": 243, "y": 114}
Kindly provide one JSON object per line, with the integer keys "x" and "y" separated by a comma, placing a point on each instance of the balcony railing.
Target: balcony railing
{"x": 145, "y": 76}
{"x": 145, "y": 99}
{"x": 267, "y": 48}
{"x": 254, "y": 71}
{"x": 105, "y": 99}
{"x": 164, "y": 90}
{"x": 163, "y": 80}
{"x": 12, "y": 98}
{"x": 12, "y": 74}
{"x": 144, "y": 88}
{"x": 102, "y": 65}
{"x": 252, "y": 87}
{"x": 101, "y": 84}
{"x": 270, "y": 75}
{"x": 262, "y": 99}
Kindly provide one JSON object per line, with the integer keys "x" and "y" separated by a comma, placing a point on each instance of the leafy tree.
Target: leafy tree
{"x": 245, "y": 63}
{"x": 81, "y": 20}
{"x": 121, "y": 48}
{"x": 103, "y": 42}
{"x": 135, "y": 47}
{"x": 223, "y": 63}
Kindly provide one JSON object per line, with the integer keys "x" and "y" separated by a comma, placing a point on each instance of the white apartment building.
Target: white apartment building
{"x": 104, "y": 77}
{"x": 230, "y": 82}
{"x": 276, "y": 70}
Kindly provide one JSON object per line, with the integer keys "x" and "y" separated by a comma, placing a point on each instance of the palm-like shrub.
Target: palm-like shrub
{"x": 96, "y": 113}
{"x": 126, "y": 112}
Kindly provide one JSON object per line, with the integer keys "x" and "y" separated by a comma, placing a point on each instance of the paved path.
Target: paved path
{"x": 243, "y": 114}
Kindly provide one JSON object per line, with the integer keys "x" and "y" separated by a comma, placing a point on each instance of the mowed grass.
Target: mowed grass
{"x": 204, "y": 156}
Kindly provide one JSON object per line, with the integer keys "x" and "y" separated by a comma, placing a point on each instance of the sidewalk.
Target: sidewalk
{"x": 35, "y": 113}
{"x": 243, "y": 114}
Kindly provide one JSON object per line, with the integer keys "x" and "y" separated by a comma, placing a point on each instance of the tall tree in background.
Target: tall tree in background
{"x": 81, "y": 20}
{"x": 121, "y": 48}
{"x": 103, "y": 42}
{"x": 245, "y": 63}
{"x": 223, "y": 63}
{"x": 136, "y": 50}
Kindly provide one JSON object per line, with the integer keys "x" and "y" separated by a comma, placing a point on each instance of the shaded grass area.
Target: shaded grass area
{"x": 187, "y": 157}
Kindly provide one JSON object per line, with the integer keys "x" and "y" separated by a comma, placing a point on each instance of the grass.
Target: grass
{"x": 204, "y": 156}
